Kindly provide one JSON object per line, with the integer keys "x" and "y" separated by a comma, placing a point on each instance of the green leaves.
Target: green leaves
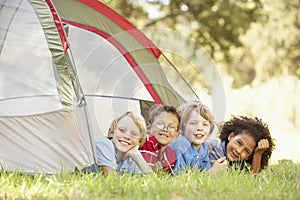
{"x": 253, "y": 40}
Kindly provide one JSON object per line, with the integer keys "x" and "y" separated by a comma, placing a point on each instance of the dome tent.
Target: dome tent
{"x": 39, "y": 125}
{"x": 58, "y": 93}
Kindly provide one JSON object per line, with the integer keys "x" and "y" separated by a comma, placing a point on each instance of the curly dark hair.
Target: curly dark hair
{"x": 254, "y": 127}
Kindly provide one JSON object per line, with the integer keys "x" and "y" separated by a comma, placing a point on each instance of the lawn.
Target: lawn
{"x": 278, "y": 181}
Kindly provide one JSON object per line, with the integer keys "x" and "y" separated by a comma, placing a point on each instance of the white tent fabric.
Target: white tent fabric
{"x": 40, "y": 128}
{"x": 103, "y": 109}
{"x": 110, "y": 85}
{"x": 28, "y": 84}
{"x": 43, "y": 143}
{"x": 56, "y": 102}
{"x": 102, "y": 69}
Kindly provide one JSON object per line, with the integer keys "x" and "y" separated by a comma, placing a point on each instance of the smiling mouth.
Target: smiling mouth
{"x": 234, "y": 155}
{"x": 124, "y": 142}
{"x": 163, "y": 135}
{"x": 199, "y": 136}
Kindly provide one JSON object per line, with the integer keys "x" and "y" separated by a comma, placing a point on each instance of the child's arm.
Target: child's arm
{"x": 107, "y": 170}
{"x": 256, "y": 162}
{"x": 138, "y": 158}
{"x": 218, "y": 166}
{"x": 106, "y": 156}
{"x": 158, "y": 166}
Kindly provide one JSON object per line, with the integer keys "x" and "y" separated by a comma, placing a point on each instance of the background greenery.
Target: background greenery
{"x": 258, "y": 37}
{"x": 254, "y": 45}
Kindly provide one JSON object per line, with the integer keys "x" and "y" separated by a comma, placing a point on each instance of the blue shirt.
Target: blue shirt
{"x": 106, "y": 156}
{"x": 188, "y": 157}
{"x": 216, "y": 150}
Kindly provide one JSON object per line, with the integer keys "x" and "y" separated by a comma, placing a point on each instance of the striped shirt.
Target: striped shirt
{"x": 152, "y": 153}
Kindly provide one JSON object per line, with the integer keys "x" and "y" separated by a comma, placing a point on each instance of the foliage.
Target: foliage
{"x": 279, "y": 181}
{"x": 251, "y": 40}
{"x": 215, "y": 24}
{"x": 271, "y": 48}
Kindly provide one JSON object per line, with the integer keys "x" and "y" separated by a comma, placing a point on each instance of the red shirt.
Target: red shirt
{"x": 152, "y": 153}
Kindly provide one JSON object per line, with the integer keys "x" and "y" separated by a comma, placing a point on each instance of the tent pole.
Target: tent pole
{"x": 82, "y": 103}
{"x": 174, "y": 67}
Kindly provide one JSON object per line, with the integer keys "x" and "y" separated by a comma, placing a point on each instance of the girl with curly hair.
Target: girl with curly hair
{"x": 244, "y": 142}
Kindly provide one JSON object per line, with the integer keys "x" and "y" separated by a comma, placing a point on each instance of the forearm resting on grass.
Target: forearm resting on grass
{"x": 262, "y": 146}
{"x": 136, "y": 155}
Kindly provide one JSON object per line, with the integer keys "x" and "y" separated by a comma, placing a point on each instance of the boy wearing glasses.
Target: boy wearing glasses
{"x": 163, "y": 129}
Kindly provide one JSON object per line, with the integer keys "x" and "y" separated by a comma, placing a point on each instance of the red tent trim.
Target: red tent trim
{"x": 126, "y": 55}
{"x": 124, "y": 24}
{"x": 58, "y": 23}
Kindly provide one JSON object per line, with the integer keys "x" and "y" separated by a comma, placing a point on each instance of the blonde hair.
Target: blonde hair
{"x": 137, "y": 119}
{"x": 186, "y": 109}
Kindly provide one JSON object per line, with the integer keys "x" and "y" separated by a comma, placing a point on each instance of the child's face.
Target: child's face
{"x": 127, "y": 135}
{"x": 240, "y": 147}
{"x": 196, "y": 129}
{"x": 164, "y": 128}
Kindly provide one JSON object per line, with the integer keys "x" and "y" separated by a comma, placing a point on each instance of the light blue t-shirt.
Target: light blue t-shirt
{"x": 188, "y": 157}
{"x": 107, "y": 157}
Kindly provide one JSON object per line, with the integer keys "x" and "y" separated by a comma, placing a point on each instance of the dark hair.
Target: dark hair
{"x": 163, "y": 108}
{"x": 253, "y": 127}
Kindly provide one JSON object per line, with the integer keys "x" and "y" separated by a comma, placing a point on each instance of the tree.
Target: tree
{"x": 271, "y": 47}
{"x": 251, "y": 39}
{"x": 215, "y": 24}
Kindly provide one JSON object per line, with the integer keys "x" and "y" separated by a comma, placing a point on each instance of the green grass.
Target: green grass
{"x": 278, "y": 181}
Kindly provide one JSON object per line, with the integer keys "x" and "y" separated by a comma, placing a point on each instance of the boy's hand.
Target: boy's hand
{"x": 131, "y": 152}
{"x": 262, "y": 146}
{"x": 157, "y": 165}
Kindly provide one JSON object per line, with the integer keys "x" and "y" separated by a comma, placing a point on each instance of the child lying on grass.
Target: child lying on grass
{"x": 191, "y": 148}
{"x": 245, "y": 142}
{"x": 120, "y": 153}
{"x": 163, "y": 129}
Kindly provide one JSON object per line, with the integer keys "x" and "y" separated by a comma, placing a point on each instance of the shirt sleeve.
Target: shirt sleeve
{"x": 216, "y": 150}
{"x": 128, "y": 166}
{"x": 205, "y": 163}
{"x": 106, "y": 153}
{"x": 180, "y": 146}
{"x": 149, "y": 149}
